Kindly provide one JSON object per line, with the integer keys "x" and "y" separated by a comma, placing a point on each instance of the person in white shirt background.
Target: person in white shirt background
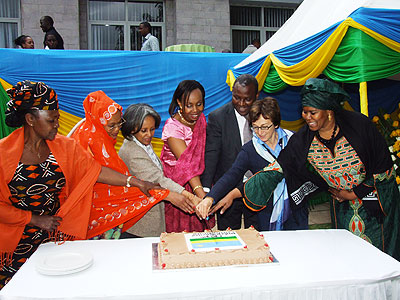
{"x": 150, "y": 42}
{"x": 253, "y": 47}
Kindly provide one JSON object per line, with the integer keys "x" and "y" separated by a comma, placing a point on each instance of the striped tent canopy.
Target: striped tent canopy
{"x": 349, "y": 41}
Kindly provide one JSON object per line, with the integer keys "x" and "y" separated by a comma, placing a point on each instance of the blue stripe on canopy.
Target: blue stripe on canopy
{"x": 298, "y": 52}
{"x": 383, "y": 21}
{"x": 252, "y": 68}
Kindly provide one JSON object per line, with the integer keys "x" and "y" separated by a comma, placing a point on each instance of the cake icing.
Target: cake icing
{"x": 210, "y": 249}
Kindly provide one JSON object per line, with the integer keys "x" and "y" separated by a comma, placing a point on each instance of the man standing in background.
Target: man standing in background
{"x": 46, "y": 23}
{"x": 150, "y": 42}
{"x": 253, "y": 47}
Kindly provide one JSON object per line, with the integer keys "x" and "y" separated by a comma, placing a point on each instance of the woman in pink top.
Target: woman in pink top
{"x": 184, "y": 136}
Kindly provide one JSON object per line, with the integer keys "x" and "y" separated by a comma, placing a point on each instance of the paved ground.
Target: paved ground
{"x": 319, "y": 216}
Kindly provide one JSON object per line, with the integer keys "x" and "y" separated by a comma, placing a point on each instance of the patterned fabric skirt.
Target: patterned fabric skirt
{"x": 353, "y": 216}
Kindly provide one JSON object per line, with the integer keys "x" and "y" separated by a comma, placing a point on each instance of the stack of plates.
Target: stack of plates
{"x": 64, "y": 263}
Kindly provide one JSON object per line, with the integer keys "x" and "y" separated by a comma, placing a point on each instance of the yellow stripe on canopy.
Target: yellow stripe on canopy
{"x": 263, "y": 73}
{"x": 314, "y": 64}
{"x": 380, "y": 38}
{"x": 363, "y": 98}
{"x": 261, "y": 76}
{"x": 230, "y": 79}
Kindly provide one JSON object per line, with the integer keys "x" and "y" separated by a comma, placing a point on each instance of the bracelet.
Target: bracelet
{"x": 197, "y": 187}
{"x": 128, "y": 184}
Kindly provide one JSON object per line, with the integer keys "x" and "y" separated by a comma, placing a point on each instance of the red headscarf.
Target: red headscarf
{"x": 112, "y": 205}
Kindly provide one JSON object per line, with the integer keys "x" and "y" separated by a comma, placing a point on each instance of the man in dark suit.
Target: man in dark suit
{"x": 46, "y": 23}
{"x": 227, "y": 130}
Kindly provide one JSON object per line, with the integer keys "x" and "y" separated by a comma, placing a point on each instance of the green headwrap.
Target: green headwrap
{"x": 323, "y": 94}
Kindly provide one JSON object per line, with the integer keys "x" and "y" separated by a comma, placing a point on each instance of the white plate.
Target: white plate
{"x": 63, "y": 263}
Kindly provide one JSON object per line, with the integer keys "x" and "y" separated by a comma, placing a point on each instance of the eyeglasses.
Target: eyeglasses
{"x": 117, "y": 125}
{"x": 262, "y": 128}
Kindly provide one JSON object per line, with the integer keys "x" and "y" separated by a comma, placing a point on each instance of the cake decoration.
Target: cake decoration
{"x": 220, "y": 248}
{"x": 209, "y": 241}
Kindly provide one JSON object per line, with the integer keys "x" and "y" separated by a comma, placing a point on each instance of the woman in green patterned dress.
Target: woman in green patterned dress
{"x": 339, "y": 152}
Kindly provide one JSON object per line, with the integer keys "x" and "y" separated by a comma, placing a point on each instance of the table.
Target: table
{"x": 314, "y": 264}
{"x": 190, "y": 48}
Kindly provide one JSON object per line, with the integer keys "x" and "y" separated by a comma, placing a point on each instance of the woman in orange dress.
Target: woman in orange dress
{"x": 114, "y": 209}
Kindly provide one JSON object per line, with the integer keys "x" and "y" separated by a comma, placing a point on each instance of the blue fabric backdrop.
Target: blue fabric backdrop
{"x": 151, "y": 77}
{"x": 125, "y": 76}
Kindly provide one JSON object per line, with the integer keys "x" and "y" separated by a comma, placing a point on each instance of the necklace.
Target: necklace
{"x": 184, "y": 121}
{"x": 34, "y": 152}
{"x": 325, "y": 141}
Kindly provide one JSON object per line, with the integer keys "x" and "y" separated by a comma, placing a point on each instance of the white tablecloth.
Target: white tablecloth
{"x": 314, "y": 264}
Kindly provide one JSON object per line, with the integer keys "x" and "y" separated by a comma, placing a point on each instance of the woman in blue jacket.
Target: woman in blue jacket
{"x": 267, "y": 142}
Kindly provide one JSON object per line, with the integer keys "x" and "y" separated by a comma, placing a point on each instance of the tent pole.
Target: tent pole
{"x": 363, "y": 98}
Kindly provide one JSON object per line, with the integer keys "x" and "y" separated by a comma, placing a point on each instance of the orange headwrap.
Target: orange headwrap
{"x": 99, "y": 109}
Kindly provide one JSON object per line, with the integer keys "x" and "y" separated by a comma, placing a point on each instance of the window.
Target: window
{"x": 252, "y": 22}
{"x": 9, "y": 22}
{"x": 113, "y": 24}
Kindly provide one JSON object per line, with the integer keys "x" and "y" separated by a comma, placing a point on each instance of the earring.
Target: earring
{"x": 329, "y": 117}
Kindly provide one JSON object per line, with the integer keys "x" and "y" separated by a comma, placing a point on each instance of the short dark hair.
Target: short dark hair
{"x": 182, "y": 93}
{"x": 134, "y": 117}
{"x": 255, "y": 41}
{"x": 268, "y": 108}
{"x": 21, "y": 40}
{"x": 146, "y": 24}
{"x": 246, "y": 80}
{"x": 49, "y": 20}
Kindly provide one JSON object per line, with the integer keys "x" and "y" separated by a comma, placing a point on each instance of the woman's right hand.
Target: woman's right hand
{"x": 180, "y": 201}
{"x": 49, "y": 223}
{"x": 195, "y": 200}
{"x": 204, "y": 206}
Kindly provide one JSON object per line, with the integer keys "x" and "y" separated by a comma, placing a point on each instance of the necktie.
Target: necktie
{"x": 247, "y": 136}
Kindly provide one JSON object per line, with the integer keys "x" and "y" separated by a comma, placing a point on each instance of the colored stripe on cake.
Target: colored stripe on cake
{"x": 219, "y": 242}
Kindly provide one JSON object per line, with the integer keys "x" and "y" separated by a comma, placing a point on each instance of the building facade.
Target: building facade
{"x": 113, "y": 24}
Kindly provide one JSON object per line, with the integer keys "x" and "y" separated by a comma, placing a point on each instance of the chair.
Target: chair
{"x": 75, "y": 127}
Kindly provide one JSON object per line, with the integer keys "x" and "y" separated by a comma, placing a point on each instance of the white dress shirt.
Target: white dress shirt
{"x": 150, "y": 43}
